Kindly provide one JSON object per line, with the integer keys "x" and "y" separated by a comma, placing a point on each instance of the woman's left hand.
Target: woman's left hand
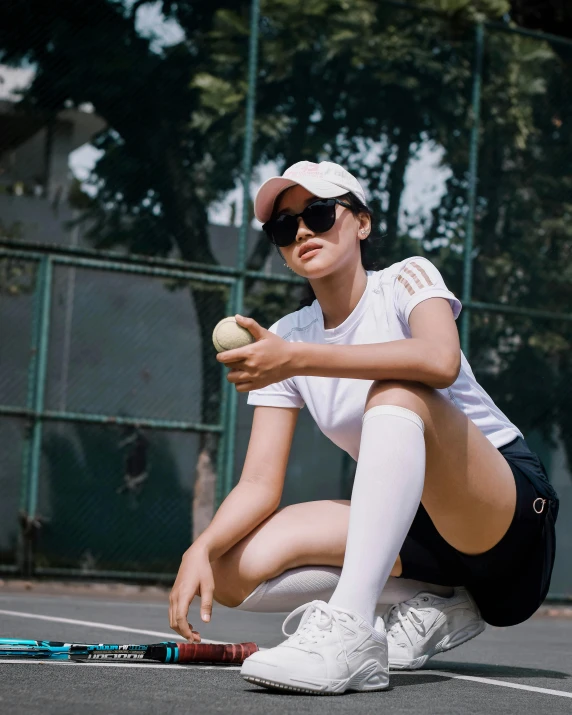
{"x": 261, "y": 363}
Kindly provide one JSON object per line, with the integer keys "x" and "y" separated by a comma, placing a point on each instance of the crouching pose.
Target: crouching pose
{"x": 451, "y": 519}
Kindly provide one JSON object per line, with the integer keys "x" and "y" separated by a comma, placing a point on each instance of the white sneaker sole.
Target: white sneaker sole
{"x": 370, "y": 676}
{"x": 447, "y": 643}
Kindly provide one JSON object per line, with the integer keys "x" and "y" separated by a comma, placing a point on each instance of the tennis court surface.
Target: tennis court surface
{"x": 505, "y": 670}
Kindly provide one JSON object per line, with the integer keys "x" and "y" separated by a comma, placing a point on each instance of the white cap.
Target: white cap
{"x": 326, "y": 180}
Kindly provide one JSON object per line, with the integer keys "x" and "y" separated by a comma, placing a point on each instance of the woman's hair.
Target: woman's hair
{"x": 368, "y": 259}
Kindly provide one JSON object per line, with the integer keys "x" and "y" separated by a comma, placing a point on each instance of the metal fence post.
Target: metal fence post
{"x": 247, "y": 151}
{"x": 238, "y": 289}
{"x": 228, "y": 394}
{"x": 31, "y": 388}
{"x": 472, "y": 191}
{"x": 36, "y": 391}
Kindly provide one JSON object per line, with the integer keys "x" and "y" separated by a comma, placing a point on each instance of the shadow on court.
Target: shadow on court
{"x": 484, "y": 670}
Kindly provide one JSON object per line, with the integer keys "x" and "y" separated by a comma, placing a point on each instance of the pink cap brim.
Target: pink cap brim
{"x": 267, "y": 193}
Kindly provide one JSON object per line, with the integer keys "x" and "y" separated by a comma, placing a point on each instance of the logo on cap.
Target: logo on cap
{"x": 302, "y": 167}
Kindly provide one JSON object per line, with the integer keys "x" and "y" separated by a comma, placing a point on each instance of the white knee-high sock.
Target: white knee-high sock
{"x": 308, "y": 583}
{"x": 292, "y": 588}
{"x": 386, "y": 494}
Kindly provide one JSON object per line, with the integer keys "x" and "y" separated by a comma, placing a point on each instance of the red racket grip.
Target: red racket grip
{"x": 214, "y": 652}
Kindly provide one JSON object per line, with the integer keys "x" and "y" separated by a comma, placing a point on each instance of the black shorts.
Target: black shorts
{"x": 510, "y": 581}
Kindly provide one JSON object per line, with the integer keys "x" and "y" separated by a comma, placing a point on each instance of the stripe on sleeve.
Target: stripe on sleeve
{"x": 423, "y": 273}
{"x": 414, "y": 276}
{"x": 403, "y": 281}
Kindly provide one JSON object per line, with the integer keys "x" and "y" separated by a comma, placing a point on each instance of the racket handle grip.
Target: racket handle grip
{"x": 214, "y": 652}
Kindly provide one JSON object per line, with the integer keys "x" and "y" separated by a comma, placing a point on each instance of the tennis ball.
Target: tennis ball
{"x": 228, "y": 335}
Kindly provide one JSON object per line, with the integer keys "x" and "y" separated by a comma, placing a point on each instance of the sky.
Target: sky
{"x": 424, "y": 178}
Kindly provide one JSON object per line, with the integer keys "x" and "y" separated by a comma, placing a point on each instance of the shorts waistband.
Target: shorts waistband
{"x": 518, "y": 444}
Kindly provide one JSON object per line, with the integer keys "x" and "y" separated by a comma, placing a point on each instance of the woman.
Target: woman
{"x": 451, "y": 517}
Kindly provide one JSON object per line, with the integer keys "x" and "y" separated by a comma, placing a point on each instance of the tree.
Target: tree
{"x": 552, "y": 16}
{"x": 522, "y": 240}
{"x": 380, "y": 80}
{"x": 364, "y": 83}
{"x": 162, "y": 165}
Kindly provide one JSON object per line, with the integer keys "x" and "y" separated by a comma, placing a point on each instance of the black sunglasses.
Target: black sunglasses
{"x": 319, "y": 216}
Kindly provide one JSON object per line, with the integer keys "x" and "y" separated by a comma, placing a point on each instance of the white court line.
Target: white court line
{"x": 170, "y": 636}
{"x": 171, "y": 666}
{"x": 104, "y": 626}
{"x": 81, "y": 601}
{"x": 486, "y": 681}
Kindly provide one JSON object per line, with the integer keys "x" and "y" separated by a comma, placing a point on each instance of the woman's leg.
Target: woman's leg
{"x": 312, "y": 533}
{"x": 466, "y": 485}
{"x": 468, "y": 491}
{"x": 386, "y": 495}
{"x": 296, "y": 556}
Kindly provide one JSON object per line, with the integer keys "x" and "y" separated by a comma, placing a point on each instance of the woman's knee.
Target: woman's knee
{"x": 243, "y": 567}
{"x": 228, "y": 590}
{"x": 231, "y": 579}
{"x": 411, "y": 395}
{"x": 296, "y": 535}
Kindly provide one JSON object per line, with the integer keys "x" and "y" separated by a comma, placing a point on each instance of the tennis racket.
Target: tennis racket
{"x": 11, "y": 648}
{"x": 167, "y": 652}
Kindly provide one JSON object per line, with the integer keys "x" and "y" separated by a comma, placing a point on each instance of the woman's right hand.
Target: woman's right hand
{"x": 195, "y": 578}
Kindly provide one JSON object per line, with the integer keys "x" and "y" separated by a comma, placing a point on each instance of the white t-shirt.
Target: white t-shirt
{"x": 382, "y": 314}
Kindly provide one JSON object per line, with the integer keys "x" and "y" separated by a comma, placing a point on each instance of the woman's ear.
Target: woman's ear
{"x": 364, "y": 225}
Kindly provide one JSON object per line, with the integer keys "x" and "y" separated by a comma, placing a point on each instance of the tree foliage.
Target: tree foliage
{"x": 365, "y": 83}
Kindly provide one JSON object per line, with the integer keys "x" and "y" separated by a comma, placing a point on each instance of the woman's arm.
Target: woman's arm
{"x": 258, "y": 493}
{"x": 253, "y": 499}
{"x": 432, "y": 355}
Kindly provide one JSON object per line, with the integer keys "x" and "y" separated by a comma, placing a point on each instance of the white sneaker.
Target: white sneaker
{"x": 331, "y": 651}
{"x": 429, "y": 624}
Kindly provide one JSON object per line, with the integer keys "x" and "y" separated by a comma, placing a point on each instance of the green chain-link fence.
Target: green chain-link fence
{"x": 109, "y": 391}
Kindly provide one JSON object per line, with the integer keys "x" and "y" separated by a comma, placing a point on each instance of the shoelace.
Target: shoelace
{"x": 318, "y": 620}
{"x": 401, "y": 614}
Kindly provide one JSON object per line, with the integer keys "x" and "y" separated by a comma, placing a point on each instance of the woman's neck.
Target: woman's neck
{"x": 338, "y": 294}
